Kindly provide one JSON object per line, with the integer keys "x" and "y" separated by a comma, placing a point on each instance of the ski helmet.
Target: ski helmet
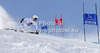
{"x": 35, "y": 16}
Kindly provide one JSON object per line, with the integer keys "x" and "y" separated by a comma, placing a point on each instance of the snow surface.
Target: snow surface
{"x": 17, "y": 42}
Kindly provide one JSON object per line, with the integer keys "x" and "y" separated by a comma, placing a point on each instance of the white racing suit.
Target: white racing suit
{"x": 28, "y": 23}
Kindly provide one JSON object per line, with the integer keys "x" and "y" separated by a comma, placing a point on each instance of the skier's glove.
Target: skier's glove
{"x": 22, "y": 20}
{"x": 36, "y": 32}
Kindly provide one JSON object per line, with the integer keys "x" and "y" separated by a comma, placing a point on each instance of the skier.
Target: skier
{"x": 28, "y": 23}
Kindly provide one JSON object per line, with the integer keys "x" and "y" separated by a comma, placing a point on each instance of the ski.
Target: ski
{"x": 21, "y": 31}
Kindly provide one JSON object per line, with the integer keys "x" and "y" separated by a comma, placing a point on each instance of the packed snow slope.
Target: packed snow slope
{"x": 17, "y": 42}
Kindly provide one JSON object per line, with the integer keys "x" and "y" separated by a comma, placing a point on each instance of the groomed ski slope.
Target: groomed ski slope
{"x": 16, "y": 42}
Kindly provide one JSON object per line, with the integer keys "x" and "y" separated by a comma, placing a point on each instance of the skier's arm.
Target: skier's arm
{"x": 25, "y": 19}
{"x": 22, "y": 20}
{"x": 36, "y": 32}
{"x": 37, "y": 29}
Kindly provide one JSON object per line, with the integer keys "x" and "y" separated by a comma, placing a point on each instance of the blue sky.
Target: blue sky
{"x": 71, "y": 10}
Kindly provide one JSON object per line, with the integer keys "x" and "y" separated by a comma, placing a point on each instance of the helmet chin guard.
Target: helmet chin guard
{"x": 35, "y": 16}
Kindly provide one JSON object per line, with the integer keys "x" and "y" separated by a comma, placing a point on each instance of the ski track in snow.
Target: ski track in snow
{"x": 16, "y": 42}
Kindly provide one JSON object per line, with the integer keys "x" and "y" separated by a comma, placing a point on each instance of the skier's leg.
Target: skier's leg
{"x": 19, "y": 27}
{"x": 27, "y": 28}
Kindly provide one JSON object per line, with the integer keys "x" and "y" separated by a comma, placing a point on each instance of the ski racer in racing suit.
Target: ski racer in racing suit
{"x": 29, "y": 22}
